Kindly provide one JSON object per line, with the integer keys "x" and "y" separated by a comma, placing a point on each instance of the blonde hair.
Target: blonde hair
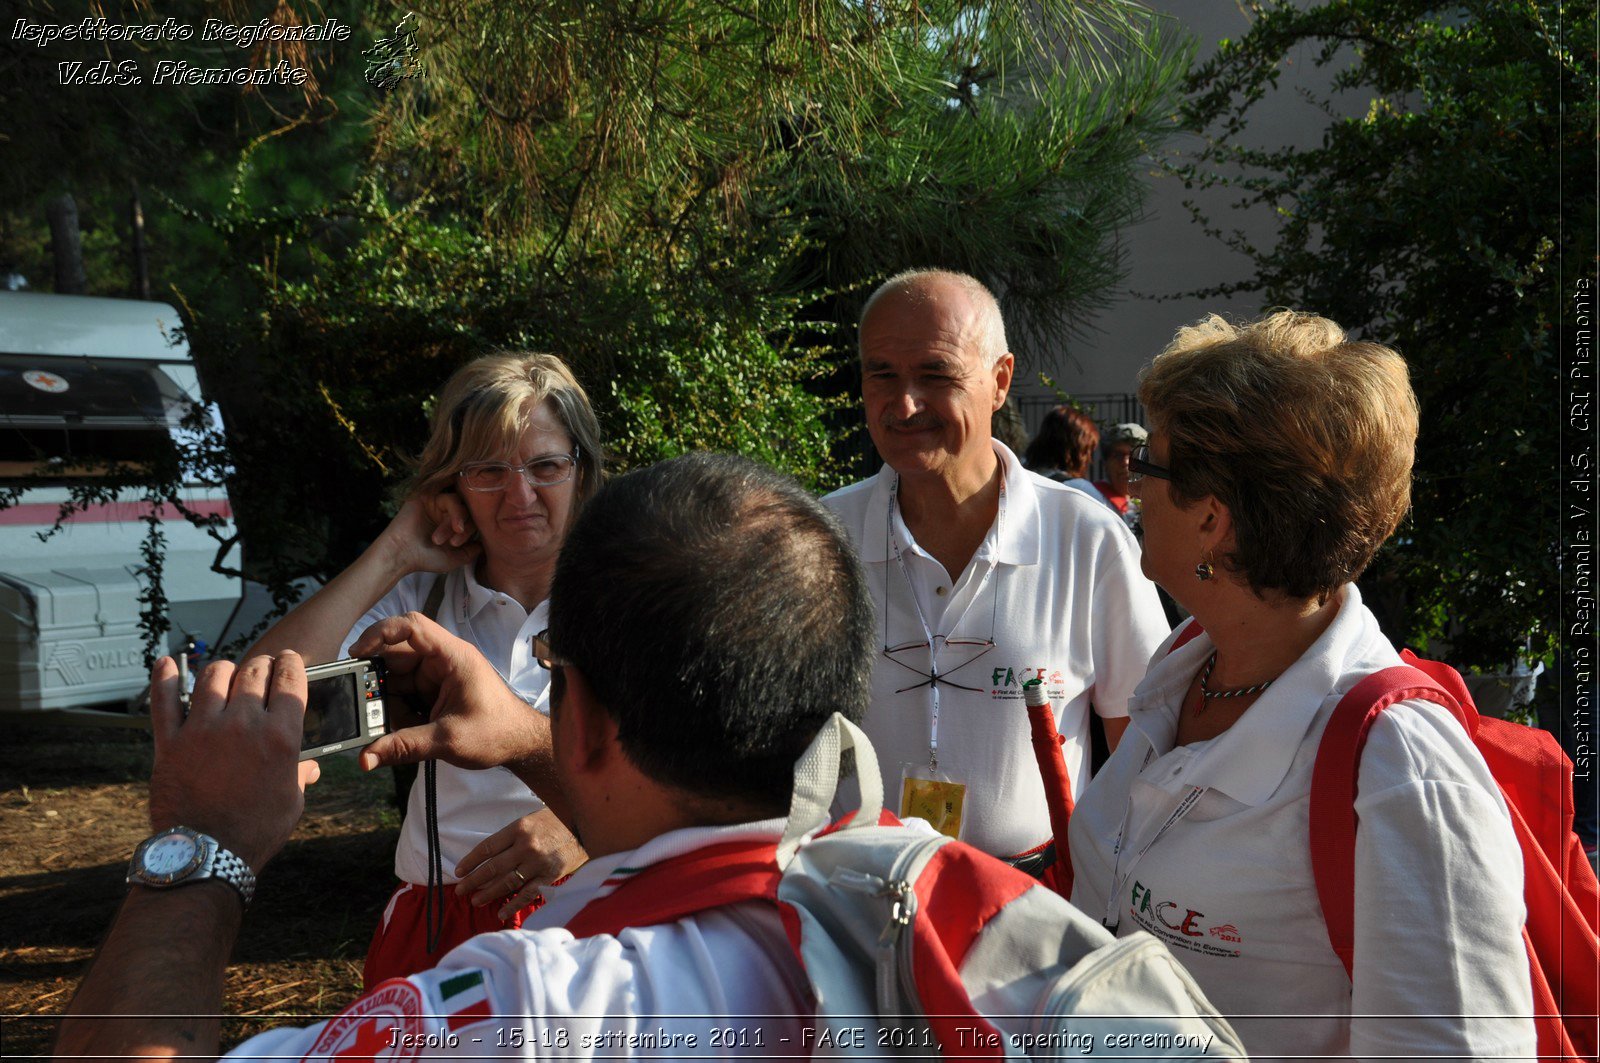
{"x": 1306, "y": 436}
{"x": 483, "y": 412}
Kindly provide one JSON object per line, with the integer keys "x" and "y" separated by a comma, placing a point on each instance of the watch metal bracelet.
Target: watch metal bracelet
{"x": 234, "y": 871}
{"x": 197, "y": 858}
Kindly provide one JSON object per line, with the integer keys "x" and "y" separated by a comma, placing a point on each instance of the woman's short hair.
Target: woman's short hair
{"x": 483, "y": 412}
{"x": 1306, "y": 436}
{"x": 1066, "y": 441}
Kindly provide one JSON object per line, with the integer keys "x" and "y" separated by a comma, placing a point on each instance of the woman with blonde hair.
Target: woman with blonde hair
{"x": 513, "y": 453}
{"x": 1279, "y": 461}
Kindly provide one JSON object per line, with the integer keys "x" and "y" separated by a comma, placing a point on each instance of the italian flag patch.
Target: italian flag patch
{"x": 465, "y": 999}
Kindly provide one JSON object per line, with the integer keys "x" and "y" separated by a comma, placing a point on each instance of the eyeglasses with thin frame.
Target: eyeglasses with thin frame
{"x": 547, "y": 658}
{"x": 1140, "y": 466}
{"x": 547, "y": 470}
{"x": 937, "y": 678}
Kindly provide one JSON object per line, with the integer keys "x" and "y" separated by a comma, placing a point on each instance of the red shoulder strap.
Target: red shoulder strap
{"x": 1191, "y": 630}
{"x": 1333, "y": 790}
{"x": 683, "y": 885}
{"x": 696, "y": 881}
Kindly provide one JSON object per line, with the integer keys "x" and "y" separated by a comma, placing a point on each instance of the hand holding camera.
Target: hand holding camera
{"x": 227, "y": 769}
{"x": 474, "y": 719}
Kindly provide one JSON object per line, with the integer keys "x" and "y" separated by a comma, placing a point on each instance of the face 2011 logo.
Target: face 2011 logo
{"x": 1181, "y": 926}
{"x": 1007, "y": 682}
{"x": 1226, "y": 932}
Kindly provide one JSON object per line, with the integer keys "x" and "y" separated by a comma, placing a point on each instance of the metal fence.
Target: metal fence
{"x": 1106, "y": 410}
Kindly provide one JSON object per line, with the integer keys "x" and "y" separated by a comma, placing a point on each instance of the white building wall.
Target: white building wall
{"x": 1169, "y": 253}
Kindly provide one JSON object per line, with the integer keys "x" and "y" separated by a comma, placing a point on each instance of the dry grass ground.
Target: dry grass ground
{"x": 72, "y": 807}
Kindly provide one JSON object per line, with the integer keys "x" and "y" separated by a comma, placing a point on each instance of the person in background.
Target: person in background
{"x": 1279, "y": 461}
{"x": 1063, "y": 448}
{"x": 1116, "y": 446}
{"x": 513, "y": 455}
{"x": 706, "y": 620}
{"x": 984, "y": 577}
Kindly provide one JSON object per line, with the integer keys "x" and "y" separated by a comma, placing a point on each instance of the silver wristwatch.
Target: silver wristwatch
{"x": 179, "y": 856}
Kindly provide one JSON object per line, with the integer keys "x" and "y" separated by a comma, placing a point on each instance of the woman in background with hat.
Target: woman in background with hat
{"x": 1116, "y": 446}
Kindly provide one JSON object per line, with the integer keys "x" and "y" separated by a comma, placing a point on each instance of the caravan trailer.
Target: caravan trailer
{"x": 82, "y": 381}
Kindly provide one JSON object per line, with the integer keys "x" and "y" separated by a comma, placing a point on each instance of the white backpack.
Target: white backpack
{"x": 916, "y": 944}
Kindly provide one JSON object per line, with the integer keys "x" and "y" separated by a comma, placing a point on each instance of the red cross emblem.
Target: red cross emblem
{"x": 43, "y": 381}
{"x": 368, "y": 1030}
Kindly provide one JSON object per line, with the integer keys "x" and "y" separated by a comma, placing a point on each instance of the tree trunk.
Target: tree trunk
{"x": 66, "y": 245}
{"x": 141, "y": 260}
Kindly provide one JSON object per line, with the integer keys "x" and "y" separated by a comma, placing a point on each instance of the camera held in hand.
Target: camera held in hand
{"x": 344, "y": 706}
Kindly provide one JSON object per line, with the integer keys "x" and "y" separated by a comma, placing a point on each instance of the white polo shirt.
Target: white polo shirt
{"x": 727, "y": 978}
{"x": 1056, "y": 586}
{"x": 1228, "y": 885}
{"x": 472, "y": 804}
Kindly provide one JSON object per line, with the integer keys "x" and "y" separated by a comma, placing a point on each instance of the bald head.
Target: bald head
{"x": 955, "y": 296}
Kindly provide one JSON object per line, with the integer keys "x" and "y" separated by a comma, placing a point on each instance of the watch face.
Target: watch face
{"x": 169, "y": 855}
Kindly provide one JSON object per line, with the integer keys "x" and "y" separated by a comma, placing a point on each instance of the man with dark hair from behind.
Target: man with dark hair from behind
{"x": 741, "y": 591}
{"x": 707, "y": 616}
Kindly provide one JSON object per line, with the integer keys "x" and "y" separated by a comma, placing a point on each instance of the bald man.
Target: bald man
{"x": 985, "y": 576}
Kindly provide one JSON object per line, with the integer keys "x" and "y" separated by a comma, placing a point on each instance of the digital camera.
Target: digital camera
{"x": 344, "y": 706}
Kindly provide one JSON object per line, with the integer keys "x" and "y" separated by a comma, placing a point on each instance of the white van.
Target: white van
{"x": 85, "y": 380}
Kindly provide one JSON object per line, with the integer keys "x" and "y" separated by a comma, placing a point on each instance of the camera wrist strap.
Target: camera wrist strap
{"x": 434, "y": 911}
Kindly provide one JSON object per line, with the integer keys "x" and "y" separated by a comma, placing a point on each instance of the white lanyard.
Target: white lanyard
{"x": 928, "y": 636}
{"x": 1119, "y": 878}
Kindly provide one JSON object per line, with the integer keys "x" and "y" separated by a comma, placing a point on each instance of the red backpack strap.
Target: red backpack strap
{"x": 683, "y": 885}
{"x": 1333, "y": 790}
{"x": 1450, "y": 680}
{"x": 1190, "y": 631}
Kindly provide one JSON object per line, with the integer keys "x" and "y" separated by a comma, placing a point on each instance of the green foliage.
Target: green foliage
{"x": 1436, "y": 223}
{"x": 683, "y": 200}
{"x": 328, "y": 382}
{"x": 686, "y": 200}
{"x": 848, "y": 140}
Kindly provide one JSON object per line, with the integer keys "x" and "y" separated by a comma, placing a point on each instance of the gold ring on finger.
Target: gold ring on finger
{"x": 521, "y": 879}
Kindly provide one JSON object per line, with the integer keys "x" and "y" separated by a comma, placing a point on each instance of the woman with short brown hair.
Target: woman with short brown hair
{"x": 1279, "y": 461}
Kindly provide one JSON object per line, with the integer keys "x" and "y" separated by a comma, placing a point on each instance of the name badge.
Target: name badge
{"x": 933, "y": 796}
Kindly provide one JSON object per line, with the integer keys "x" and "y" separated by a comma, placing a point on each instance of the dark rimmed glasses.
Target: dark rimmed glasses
{"x": 547, "y": 470}
{"x": 1140, "y": 466}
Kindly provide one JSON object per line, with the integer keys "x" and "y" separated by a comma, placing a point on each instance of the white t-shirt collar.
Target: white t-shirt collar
{"x": 1014, "y": 542}
{"x": 474, "y": 597}
{"x": 602, "y": 874}
{"x": 1250, "y": 763}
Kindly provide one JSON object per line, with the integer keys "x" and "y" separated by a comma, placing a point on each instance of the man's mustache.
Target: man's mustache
{"x": 920, "y": 422}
